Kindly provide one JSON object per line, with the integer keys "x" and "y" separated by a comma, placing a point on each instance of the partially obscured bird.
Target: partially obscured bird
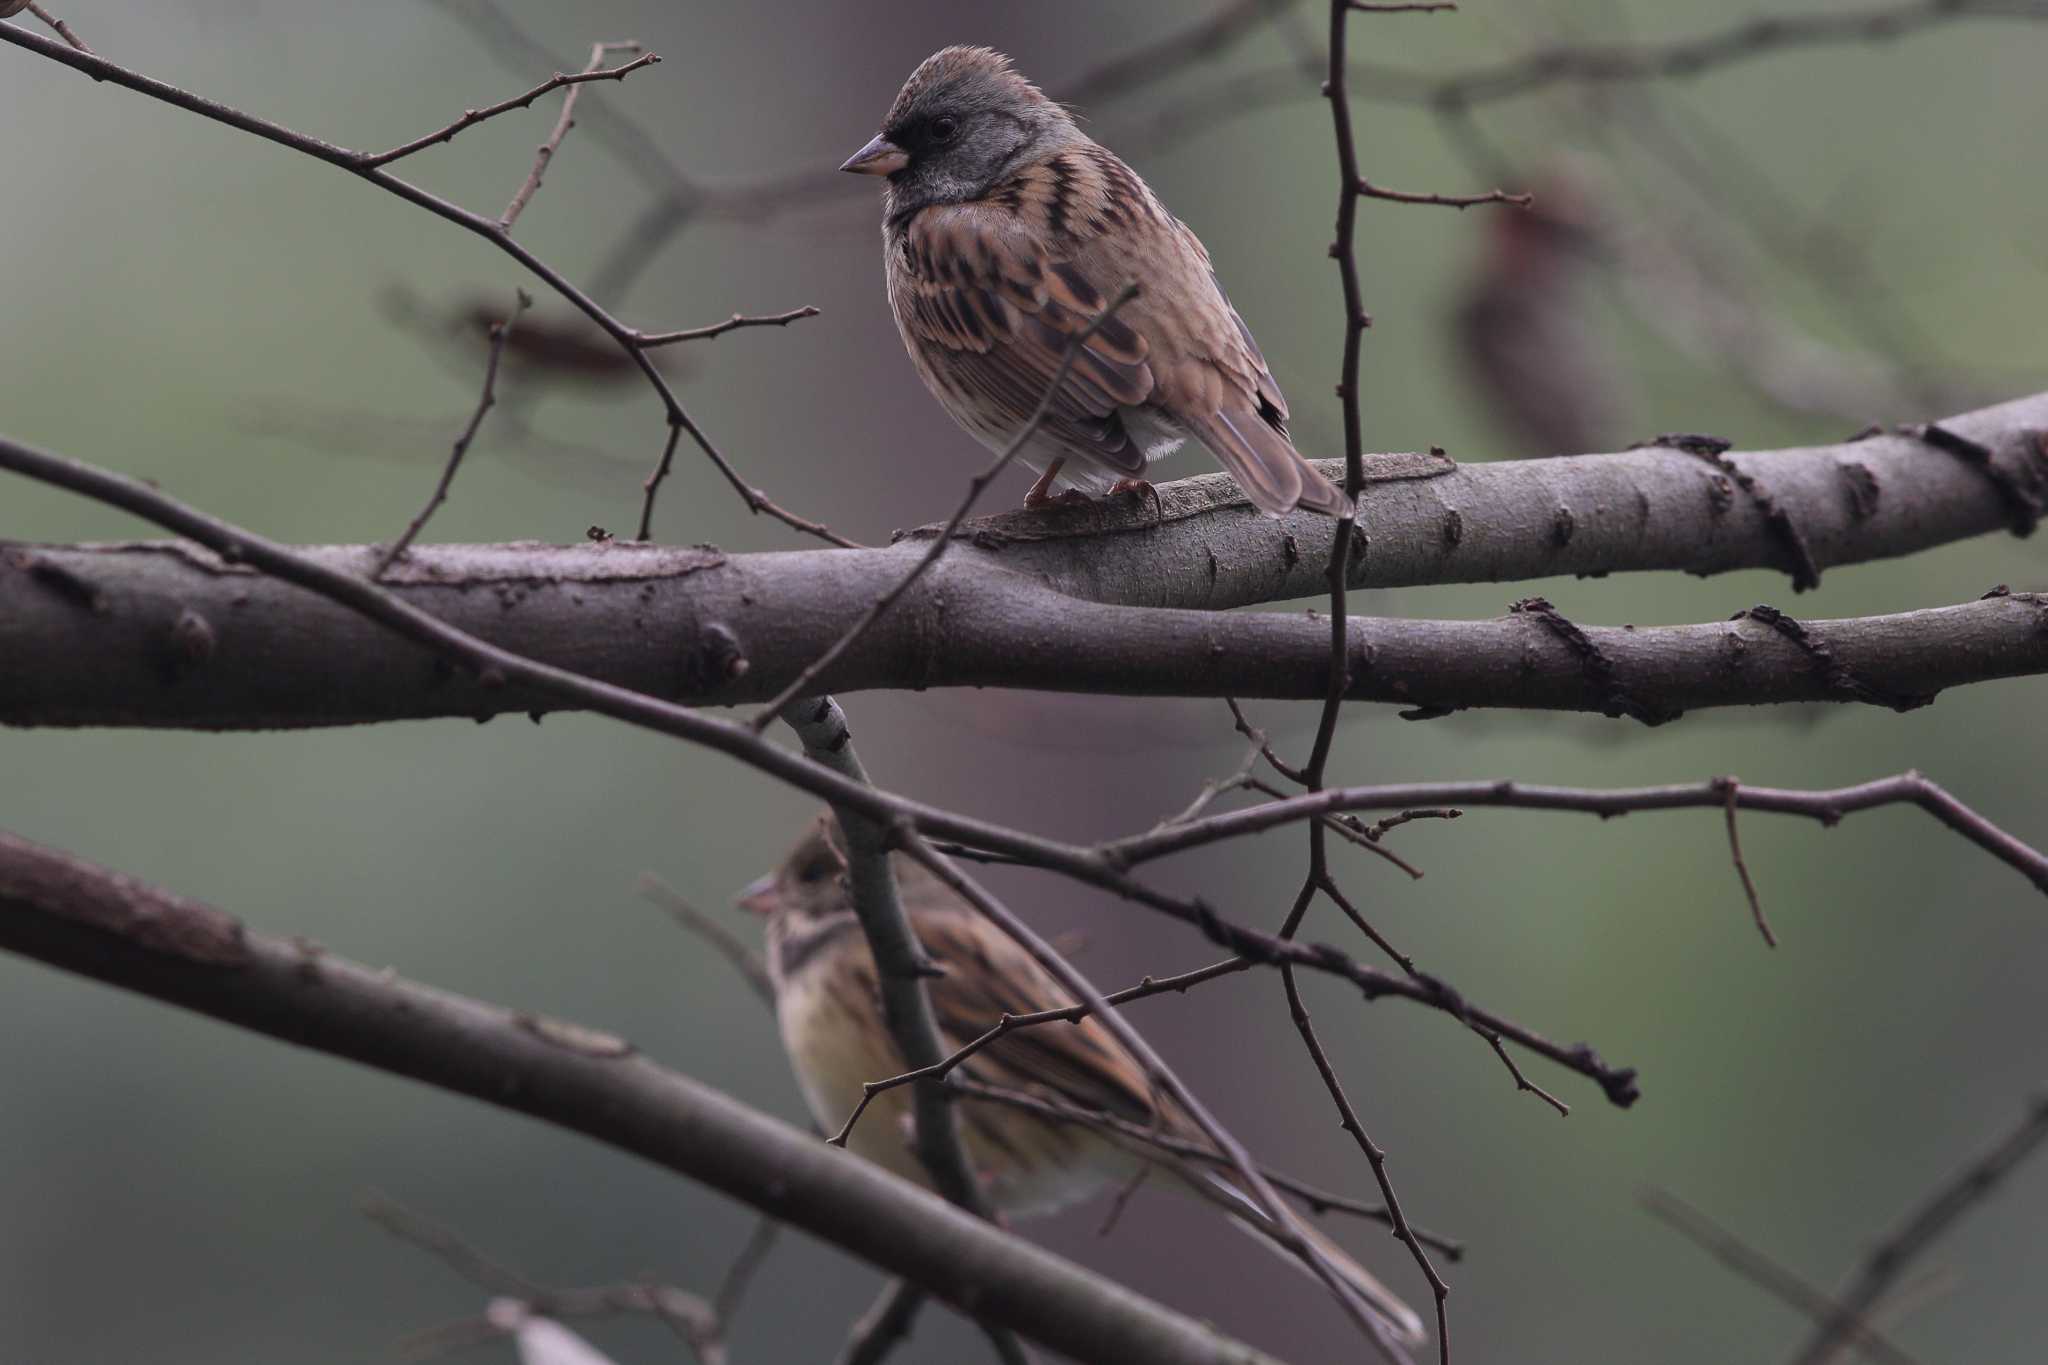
{"x": 1523, "y": 329}
{"x": 1006, "y": 230}
{"x": 829, "y": 1005}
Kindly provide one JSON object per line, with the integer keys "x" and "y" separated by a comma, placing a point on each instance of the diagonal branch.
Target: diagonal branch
{"x": 1761, "y": 1270}
{"x": 85, "y": 919}
{"x": 494, "y": 667}
{"x": 471, "y": 117}
{"x": 1934, "y": 1216}
{"x": 366, "y": 166}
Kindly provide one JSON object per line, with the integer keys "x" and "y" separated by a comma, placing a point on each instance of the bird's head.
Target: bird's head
{"x": 963, "y": 120}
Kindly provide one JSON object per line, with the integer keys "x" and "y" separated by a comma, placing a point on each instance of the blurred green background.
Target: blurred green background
{"x": 186, "y": 304}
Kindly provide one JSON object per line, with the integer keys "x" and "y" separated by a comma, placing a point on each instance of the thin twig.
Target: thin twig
{"x": 1010, "y": 1023}
{"x": 471, "y": 117}
{"x": 486, "y": 400}
{"x": 730, "y": 946}
{"x": 1284, "y": 1228}
{"x": 1317, "y": 1200}
{"x": 731, "y": 324}
{"x": 805, "y": 682}
{"x": 1923, "y": 1225}
{"x": 63, "y": 29}
{"x": 732, "y": 1288}
{"x": 1344, "y": 250}
{"x": 693, "y": 1318}
{"x": 1762, "y": 1271}
{"x": 1756, "y": 906}
{"x": 1449, "y": 201}
{"x": 879, "y": 1330}
{"x": 1825, "y": 805}
{"x": 545, "y": 153}
{"x": 361, "y": 165}
{"x": 1335, "y": 894}
{"x": 1258, "y": 736}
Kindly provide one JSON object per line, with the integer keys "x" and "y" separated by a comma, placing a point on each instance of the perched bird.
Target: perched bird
{"x": 828, "y": 1003}
{"x": 1006, "y": 230}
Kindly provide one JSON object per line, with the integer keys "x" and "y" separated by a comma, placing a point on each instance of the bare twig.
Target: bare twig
{"x": 1922, "y": 1226}
{"x": 1449, "y": 201}
{"x": 1826, "y": 805}
{"x": 739, "y": 1276}
{"x": 803, "y": 682}
{"x": 882, "y": 1327}
{"x": 486, "y": 400}
{"x": 697, "y": 1321}
{"x": 1258, "y": 736}
{"x": 1763, "y": 1271}
{"x": 1351, "y": 185}
{"x": 471, "y": 117}
{"x": 63, "y": 29}
{"x": 362, "y": 164}
{"x": 1284, "y": 1227}
{"x": 1316, "y": 1199}
{"x": 1765, "y": 34}
{"x": 1011, "y": 1023}
{"x": 545, "y": 153}
{"x": 1756, "y": 906}
{"x": 731, "y": 324}
{"x": 730, "y": 946}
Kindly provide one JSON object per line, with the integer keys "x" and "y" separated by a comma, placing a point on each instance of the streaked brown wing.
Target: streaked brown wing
{"x": 987, "y": 977}
{"x": 997, "y": 306}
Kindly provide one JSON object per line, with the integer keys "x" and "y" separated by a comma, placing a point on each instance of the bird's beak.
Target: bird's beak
{"x": 758, "y": 896}
{"x": 879, "y": 157}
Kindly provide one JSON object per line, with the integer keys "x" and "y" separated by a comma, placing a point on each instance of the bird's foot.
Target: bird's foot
{"x": 1041, "y": 491}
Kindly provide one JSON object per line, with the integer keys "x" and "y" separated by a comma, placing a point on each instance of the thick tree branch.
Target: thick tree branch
{"x": 493, "y": 667}
{"x": 159, "y": 635}
{"x": 167, "y": 636}
{"x": 100, "y": 924}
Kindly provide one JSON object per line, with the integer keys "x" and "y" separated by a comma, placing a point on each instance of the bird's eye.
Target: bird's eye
{"x": 945, "y": 127}
{"x": 816, "y": 870}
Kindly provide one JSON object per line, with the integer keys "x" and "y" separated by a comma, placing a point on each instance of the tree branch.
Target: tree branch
{"x": 112, "y": 928}
{"x": 1932, "y": 1217}
{"x": 1041, "y": 599}
{"x": 370, "y": 166}
{"x": 901, "y": 966}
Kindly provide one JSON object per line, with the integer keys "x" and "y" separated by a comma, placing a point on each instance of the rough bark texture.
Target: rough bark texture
{"x": 1103, "y": 598}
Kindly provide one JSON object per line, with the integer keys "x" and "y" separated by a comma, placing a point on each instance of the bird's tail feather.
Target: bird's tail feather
{"x": 1266, "y": 465}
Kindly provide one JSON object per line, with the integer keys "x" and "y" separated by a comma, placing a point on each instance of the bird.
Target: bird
{"x": 1523, "y": 332}
{"x": 829, "y": 1009}
{"x": 1006, "y": 232}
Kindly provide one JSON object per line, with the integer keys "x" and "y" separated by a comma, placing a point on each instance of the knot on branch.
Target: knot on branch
{"x": 2023, "y": 493}
{"x": 1612, "y": 697}
{"x": 1714, "y": 450}
{"x": 714, "y": 662}
{"x": 1842, "y": 682}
